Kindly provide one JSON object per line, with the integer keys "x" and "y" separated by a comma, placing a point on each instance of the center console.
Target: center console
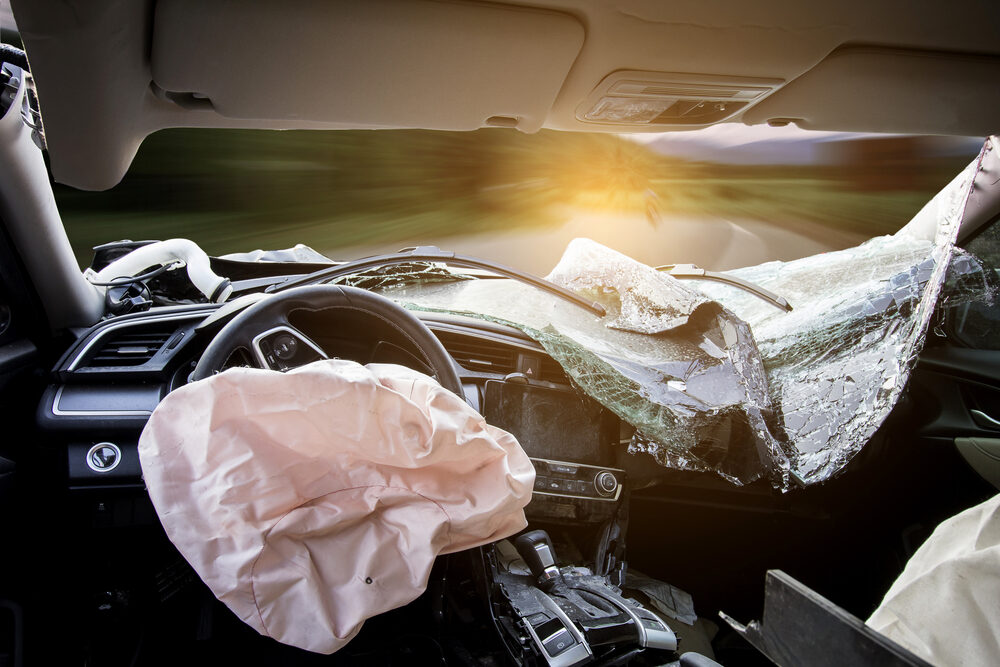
{"x": 567, "y": 616}
{"x": 567, "y": 436}
{"x": 570, "y": 611}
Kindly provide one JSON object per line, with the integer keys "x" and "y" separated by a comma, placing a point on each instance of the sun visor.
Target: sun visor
{"x": 311, "y": 500}
{"x": 877, "y": 89}
{"x": 435, "y": 65}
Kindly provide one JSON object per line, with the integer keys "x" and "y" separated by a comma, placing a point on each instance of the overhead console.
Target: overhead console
{"x": 661, "y": 99}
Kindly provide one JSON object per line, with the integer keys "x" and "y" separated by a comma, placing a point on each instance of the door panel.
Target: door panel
{"x": 955, "y": 388}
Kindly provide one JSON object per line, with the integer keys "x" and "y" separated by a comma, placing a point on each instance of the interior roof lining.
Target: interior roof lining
{"x": 93, "y": 65}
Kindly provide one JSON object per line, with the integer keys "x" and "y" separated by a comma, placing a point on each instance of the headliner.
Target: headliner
{"x": 109, "y": 73}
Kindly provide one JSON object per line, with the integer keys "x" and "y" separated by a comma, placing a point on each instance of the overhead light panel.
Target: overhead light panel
{"x": 661, "y": 98}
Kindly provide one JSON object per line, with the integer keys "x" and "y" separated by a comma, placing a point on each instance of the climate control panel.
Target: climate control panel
{"x": 565, "y": 490}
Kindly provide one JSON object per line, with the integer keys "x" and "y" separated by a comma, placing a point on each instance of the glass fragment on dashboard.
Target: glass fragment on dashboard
{"x": 401, "y": 274}
{"x": 715, "y": 379}
{"x": 838, "y": 363}
{"x": 680, "y": 368}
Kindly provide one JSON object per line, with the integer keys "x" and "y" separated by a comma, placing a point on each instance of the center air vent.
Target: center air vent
{"x": 132, "y": 346}
{"x": 490, "y": 356}
{"x": 479, "y": 354}
{"x": 551, "y": 371}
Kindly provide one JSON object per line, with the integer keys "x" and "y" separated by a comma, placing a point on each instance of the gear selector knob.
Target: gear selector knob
{"x": 536, "y": 549}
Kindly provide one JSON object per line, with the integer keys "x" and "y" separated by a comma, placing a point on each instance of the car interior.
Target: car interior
{"x": 87, "y": 573}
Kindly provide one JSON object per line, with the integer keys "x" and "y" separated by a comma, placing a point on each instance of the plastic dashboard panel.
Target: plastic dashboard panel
{"x": 93, "y": 401}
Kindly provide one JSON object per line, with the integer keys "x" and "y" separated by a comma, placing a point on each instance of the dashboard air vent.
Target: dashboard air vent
{"x": 131, "y": 346}
{"x": 551, "y": 371}
{"x": 479, "y": 354}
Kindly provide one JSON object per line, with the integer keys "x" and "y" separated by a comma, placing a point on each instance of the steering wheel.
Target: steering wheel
{"x": 264, "y": 330}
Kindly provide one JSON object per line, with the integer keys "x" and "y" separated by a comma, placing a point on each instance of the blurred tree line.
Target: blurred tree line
{"x": 235, "y": 190}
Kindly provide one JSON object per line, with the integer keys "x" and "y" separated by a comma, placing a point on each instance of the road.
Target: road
{"x": 710, "y": 242}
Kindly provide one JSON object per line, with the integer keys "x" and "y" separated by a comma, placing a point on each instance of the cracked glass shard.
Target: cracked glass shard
{"x": 838, "y": 363}
{"x": 715, "y": 379}
{"x": 679, "y": 367}
{"x": 410, "y": 273}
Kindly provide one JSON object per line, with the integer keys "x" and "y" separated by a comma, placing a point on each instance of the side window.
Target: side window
{"x": 986, "y": 245}
{"x": 976, "y": 323}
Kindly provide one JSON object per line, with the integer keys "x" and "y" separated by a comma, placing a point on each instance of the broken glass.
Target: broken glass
{"x": 680, "y": 368}
{"x": 837, "y": 363}
{"x": 400, "y": 274}
{"x": 715, "y": 379}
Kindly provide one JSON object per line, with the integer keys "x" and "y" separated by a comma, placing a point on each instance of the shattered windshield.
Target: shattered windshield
{"x": 711, "y": 377}
{"x": 715, "y": 379}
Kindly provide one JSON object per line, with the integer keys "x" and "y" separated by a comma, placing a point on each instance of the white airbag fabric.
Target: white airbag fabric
{"x": 311, "y": 500}
{"x": 945, "y": 606}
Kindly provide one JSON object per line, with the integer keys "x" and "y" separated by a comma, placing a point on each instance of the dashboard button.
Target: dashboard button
{"x": 559, "y": 642}
{"x": 537, "y": 619}
{"x": 562, "y": 468}
{"x": 104, "y": 457}
{"x": 549, "y": 629}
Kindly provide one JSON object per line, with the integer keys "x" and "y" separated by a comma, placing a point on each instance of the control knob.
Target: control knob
{"x": 606, "y": 483}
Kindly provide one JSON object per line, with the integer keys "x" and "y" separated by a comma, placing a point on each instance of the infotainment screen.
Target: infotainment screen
{"x": 550, "y": 424}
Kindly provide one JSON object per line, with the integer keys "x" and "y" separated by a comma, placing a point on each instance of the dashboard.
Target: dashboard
{"x": 108, "y": 383}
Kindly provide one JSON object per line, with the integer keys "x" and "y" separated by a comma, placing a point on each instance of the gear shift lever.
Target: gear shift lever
{"x": 570, "y": 616}
{"x": 536, "y": 549}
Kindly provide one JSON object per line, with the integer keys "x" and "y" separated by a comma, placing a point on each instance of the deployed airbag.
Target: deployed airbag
{"x": 312, "y": 500}
{"x": 944, "y": 606}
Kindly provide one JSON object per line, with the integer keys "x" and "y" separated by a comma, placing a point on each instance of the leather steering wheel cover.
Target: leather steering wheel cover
{"x": 324, "y": 297}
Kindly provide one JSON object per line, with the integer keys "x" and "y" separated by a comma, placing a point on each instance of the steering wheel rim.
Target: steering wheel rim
{"x": 272, "y": 312}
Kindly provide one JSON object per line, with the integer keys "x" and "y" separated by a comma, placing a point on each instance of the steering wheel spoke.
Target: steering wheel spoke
{"x": 274, "y": 343}
{"x": 282, "y": 347}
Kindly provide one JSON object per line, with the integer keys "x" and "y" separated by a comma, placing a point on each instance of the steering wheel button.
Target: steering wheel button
{"x": 651, "y": 624}
{"x": 285, "y": 346}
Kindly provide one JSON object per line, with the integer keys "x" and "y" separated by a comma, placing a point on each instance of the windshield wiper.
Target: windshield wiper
{"x": 435, "y": 254}
{"x": 692, "y": 272}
